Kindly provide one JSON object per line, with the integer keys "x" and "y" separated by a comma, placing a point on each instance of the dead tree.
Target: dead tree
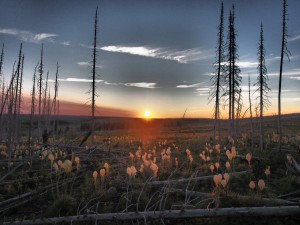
{"x": 250, "y": 112}
{"x": 40, "y": 90}
{"x": 56, "y": 85}
{"x": 217, "y": 78}
{"x": 262, "y": 86}
{"x": 287, "y": 53}
{"x": 233, "y": 78}
{"x": 32, "y": 112}
{"x": 93, "y": 84}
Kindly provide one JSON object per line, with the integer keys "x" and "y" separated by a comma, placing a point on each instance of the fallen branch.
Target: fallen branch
{"x": 295, "y": 193}
{"x": 183, "y": 180}
{"x": 197, "y": 194}
{"x": 169, "y": 214}
{"x": 35, "y": 191}
{"x": 292, "y": 165}
{"x": 12, "y": 170}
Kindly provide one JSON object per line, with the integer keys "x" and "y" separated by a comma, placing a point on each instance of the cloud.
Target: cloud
{"x": 245, "y": 88}
{"x": 83, "y": 80}
{"x": 295, "y": 78}
{"x": 247, "y": 64}
{"x": 71, "y": 79}
{"x": 30, "y": 37}
{"x": 292, "y": 72}
{"x": 181, "y": 56}
{"x": 66, "y": 43}
{"x": 202, "y": 91}
{"x": 188, "y": 86}
{"x": 82, "y": 63}
{"x": 244, "y": 64}
{"x": 141, "y": 85}
{"x": 295, "y": 38}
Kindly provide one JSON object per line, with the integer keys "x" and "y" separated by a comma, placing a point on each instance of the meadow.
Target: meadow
{"x": 154, "y": 171}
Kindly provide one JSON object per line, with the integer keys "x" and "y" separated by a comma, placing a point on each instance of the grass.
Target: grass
{"x": 77, "y": 192}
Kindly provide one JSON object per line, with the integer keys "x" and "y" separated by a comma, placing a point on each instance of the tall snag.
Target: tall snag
{"x": 32, "y": 112}
{"x": 56, "y": 85}
{"x": 287, "y": 53}
{"x": 217, "y": 78}
{"x": 93, "y": 84}
{"x": 262, "y": 86}
{"x": 233, "y": 78}
{"x": 40, "y": 90}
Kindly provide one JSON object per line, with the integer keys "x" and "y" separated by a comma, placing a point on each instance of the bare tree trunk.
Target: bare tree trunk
{"x": 54, "y": 101}
{"x": 94, "y": 75}
{"x": 32, "y": 112}
{"x": 251, "y": 115}
{"x": 40, "y": 89}
{"x": 284, "y": 51}
{"x": 220, "y": 61}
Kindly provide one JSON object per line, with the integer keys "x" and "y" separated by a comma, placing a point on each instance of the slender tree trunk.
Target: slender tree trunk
{"x": 54, "y": 101}
{"x": 40, "y": 90}
{"x": 230, "y": 74}
{"x": 251, "y": 115}
{"x": 32, "y": 112}
{"x": 283, "y": 46}
{"x": 220, "y": 61}
{"x": 94, "y": 75}
{"x": 261, "y": 100}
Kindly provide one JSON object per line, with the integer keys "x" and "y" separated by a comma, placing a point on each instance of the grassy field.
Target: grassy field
{"x": 147, "y": 166}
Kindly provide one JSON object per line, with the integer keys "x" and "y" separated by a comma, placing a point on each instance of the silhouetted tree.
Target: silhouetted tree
{"x": 217, "y": 78}
{"x": 2, "y": 81}
{"x": 32, "y": 112}
{"x": 56, "y": 85}
{"x": 284, "y": 52}
{"x": 233, "y": 77}
{"x": 1, "y": 60}
{"x": 93, "y": 84}
{"x": 262, "y": 85}
{"x": 250, "y": 112}
{"x": 40, "y": 90}
{"x": 45, "y": 97}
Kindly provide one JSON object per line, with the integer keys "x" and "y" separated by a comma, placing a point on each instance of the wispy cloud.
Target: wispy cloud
{"x": 295, "y": 78}
{"x": 66, "y": 43}
{"x": 292, "y": 72}
{"x": 204, "y": 91}
{"x": 82, "y": 80}
{"x": 189, "y": 85}
{"x": 31, "y": 37}
{"x": 245, "y": 88}
{"x": 83, "y": 63}
{"x": 294, "y": 38}
{"x": 141, "y": 85}
{"x": 247, "y": 64}
{"x": 138, "y": 84}
{"x": 244, "y": 64}
{"x": 181, "y": 56}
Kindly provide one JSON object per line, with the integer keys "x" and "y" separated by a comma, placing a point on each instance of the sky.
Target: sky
{"x": 155, "y": 56}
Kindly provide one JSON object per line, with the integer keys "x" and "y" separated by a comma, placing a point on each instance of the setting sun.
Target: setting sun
{"x": 147, "y": 114}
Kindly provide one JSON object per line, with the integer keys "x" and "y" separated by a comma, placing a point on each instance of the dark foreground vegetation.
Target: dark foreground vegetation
{"x": 164, "y": 171}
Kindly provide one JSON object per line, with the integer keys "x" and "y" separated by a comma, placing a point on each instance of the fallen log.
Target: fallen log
{"x": 168, "y": 214}
{"x": 184, "y": 180}
{"x": 196, "y": 194}
{"x": 292, "y": 165}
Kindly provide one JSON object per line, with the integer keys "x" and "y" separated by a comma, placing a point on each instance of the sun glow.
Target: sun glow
{"x": 147, "y": 114}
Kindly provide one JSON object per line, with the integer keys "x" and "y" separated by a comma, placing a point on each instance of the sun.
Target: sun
{"x": 147, "y": 114}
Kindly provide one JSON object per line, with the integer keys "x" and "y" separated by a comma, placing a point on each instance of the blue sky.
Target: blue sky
{"x": 152, "y": 55}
